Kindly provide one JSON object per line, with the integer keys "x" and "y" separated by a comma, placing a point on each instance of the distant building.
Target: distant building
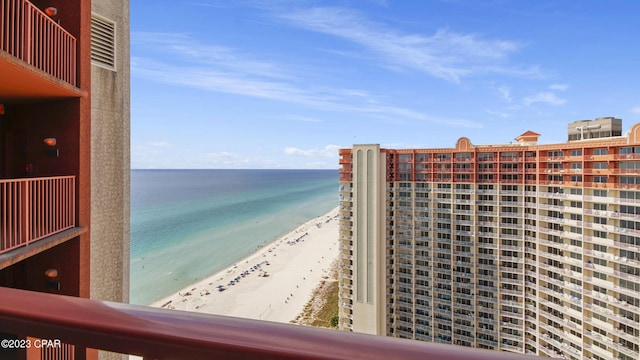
{"x": 518, "y": 247}
{"x": 592, "y": 129}
{"x": 64, "y": 150}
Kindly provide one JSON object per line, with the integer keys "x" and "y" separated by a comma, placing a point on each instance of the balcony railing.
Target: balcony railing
{"x": 34, "y": 208}
{"x": 170, "y": 334}
{"x": 31, "y": 36}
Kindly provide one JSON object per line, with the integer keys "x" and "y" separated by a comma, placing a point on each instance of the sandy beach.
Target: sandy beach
{"x": 274, "y": 283}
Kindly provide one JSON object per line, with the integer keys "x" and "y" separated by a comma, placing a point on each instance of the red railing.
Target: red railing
{"x": 169, "y": 334}
{"x": 34, "y": 208}
{"x": 30, "y": 35}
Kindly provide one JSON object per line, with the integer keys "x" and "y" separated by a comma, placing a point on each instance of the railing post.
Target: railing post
{"x": 33, "y": 352}
{"x": 28, "y": 10}
{"x": 25, "y": 211}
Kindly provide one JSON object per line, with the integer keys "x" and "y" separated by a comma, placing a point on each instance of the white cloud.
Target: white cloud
{"x": 148, "y": 157}
{"x": 544, "y": 97}
{"x": 211, "y": 72}
{"x": 159, "y": 144}
{"x": 505, "y": 92}
{"x": 327, "y": 151}
{"x": 636, "y": 110}
{"x": 559, "y": 87}
{"x": 446, "y": 54}
{"x": 301, "y": 118}
{"x": 183, "y": 48}
{"x": 499, "y": 114}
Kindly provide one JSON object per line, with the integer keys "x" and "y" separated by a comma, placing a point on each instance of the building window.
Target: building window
{"x": 600, "y": 234}
{"x": 602, "y": 248}
{"x": 602, "y": 193}
{"x": 630, "y": 150}
{"x": 628, "y": 239}
{"x": 599, "y": 275}
{"x": 599, "y": 151}
{"x": 630, "y": 209}
{"x": 630, "y": 165}
{"x": 628, "y": 224}
{"x": 103, "y": 42}
{"x": 509, "y": 155}
{"x": 598, "y": 206}
{"x": 629, "y": 179}
{"x": 599, "y": 179}
{"x": 632, "y": 286}
{"x": 601, "y": 262}
{"x": 404, "y": 167}
{"x": 422, "y": 157}
{"x": 600, "y": 220}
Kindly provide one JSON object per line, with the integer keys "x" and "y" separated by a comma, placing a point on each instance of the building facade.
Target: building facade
{"x": 64, "y": 152}
{"x": 517, "y": 247}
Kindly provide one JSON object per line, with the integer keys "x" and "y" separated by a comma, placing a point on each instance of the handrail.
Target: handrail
{"x": 169, "y": 334}
{"x": 30, "y": 35}
{"x": 34, "y": 208}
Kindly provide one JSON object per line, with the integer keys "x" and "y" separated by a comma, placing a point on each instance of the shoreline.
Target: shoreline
{"x": 274, "y": 283}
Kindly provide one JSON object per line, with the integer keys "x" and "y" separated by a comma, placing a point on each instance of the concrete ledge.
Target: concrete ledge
{"x": 36, "y": 247}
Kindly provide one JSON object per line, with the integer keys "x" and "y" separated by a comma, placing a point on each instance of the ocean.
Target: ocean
{"x": 189, "y": 224}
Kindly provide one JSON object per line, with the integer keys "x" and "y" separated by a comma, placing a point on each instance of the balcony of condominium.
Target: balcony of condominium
{"x": 38, "y": 53}
{"x": 60, "y": 327}
{"x": 34, "y": 209}
{"x": 40, "y": 246}
{"x": 44, "y": 145}
{"x": 40, "y": 163}
{"x": 39, "y": 195}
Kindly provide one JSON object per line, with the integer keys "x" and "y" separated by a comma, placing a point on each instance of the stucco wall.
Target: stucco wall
{"x": 110, "y": 163}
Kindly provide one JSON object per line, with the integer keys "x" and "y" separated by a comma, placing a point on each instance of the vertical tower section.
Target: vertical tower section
{"x": 363, "y": 243}
{"x": 110, "y": 163}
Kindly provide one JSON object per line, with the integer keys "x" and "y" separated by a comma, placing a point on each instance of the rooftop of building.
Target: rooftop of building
{"x": 530, "y": 138}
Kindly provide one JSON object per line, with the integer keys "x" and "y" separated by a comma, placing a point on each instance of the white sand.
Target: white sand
{"x": 295, "y": 269}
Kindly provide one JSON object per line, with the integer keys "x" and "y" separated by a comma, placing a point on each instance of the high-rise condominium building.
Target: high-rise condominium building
{"x": 519, "y": 247}
{"x": 64, "y": 153}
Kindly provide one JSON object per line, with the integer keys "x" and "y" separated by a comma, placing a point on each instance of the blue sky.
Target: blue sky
{"x": 285, "y": 84}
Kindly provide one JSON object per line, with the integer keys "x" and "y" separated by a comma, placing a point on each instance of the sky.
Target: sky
{"x": 284, "y": 84}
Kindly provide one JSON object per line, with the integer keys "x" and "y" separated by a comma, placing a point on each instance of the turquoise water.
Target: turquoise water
{"x": 189, "y": 224}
